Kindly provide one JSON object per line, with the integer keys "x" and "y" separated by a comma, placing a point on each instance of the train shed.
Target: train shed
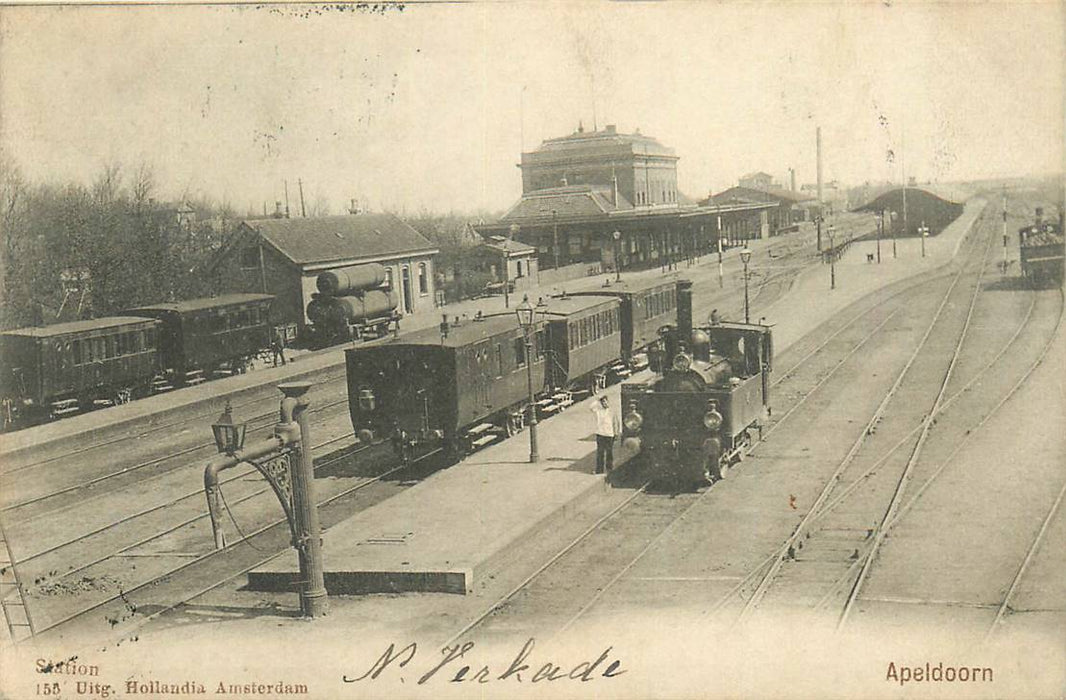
{"x": 906, "y": 210}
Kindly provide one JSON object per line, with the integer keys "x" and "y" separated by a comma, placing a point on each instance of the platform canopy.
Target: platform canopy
{"x": 935, "y": 206}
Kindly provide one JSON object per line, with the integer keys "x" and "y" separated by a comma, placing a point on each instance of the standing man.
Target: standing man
{"x": 606, "y": 428}
{"x": 279, "y": 347}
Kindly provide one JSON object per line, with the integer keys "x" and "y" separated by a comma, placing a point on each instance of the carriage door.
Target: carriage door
{"x": 408, "y": 307}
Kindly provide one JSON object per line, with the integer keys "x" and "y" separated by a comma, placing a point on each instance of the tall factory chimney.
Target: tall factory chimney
{"x": 792, "y": 179}
{"x": 818, "y": 146}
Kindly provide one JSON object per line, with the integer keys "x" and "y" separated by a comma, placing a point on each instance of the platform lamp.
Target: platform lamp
{"x": 745, "y": 257}
{"x": 923, "y": 231}
{"x": 832, "y": 259}
{"x": 229, "y": 436}
{"x": 892, "y": 221}
{"x": 617, "y": 235}
{"x": 527, "y": 319}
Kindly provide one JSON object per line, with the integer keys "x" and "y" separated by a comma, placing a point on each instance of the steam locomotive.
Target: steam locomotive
{"x": 1042, "y": 251}
{"x": 697, "y": 416}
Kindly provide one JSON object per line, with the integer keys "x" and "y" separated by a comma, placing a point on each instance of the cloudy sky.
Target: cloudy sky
{"x": 429, "y": 107}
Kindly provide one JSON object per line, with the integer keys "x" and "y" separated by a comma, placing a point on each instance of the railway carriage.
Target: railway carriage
{"x": 585, "y": 339}
{"x": 53, "y": 371}
{"x": 697, "y": 417}
{"x": 432, "y": 385}
{"x": 202, "y": 336}
{"x": 645, "y": 306}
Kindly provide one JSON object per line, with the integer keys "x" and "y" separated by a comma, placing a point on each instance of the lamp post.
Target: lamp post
{"x": 617, "y": 235}
{"x": 880, "y": 227}
{"x": 892, "y": 221}
{"x": 923, "y": 231}
{"x": 285, "y": 460}
{"x": 718, "y": 220}
{"x": 514, "y": 229}
{"x": 527, "y": 318}
{"x": 818, "y": 223}
{"x": 555, "y": 238}
{"x": 745, "y": 257}
{"x": 832, "y": 260}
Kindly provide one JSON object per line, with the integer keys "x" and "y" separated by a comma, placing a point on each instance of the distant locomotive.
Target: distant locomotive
{"x": 696, "y": 418}
{"x": 465, "y": 385}
{"x": 1042, "y": 252}
{"x": 352, "y": 303}
{"x": 59, "y": 370}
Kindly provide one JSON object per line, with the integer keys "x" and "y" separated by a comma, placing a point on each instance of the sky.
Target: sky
{"x": 428, "y": 108}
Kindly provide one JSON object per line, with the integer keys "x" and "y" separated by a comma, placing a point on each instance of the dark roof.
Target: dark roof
{"x": 752, "y": 194}
{"x": 609, "y": 137}
{"x": 567, "y": 201}
{"x": 78, "y": 326}
{"x": 467, "y": 332}
{"x": 565, "y": 306}
{"x": 755, "y": 174}
{"x": 335, "y": 238}
{"x": 628, "y": 287}
{"x": 204, "y": 303}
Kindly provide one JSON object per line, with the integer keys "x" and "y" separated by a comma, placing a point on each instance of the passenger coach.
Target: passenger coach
{"x": 58, "y": 370}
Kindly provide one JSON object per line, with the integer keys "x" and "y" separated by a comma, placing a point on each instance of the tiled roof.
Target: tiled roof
{"x": 751, "y": 194}
{"x": 334, "y": 238}
{"x": 569, "y": 201}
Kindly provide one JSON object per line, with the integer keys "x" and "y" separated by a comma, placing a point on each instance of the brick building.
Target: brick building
{"x": 596, "y": 200}
{"x": 284, "y": 257}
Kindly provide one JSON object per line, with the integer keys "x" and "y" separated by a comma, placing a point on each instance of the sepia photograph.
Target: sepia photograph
{"x": 481, "y": 349}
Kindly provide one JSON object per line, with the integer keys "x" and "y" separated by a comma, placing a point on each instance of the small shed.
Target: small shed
{"x": 507, "y": 259}
{"x": 284, "y": 257}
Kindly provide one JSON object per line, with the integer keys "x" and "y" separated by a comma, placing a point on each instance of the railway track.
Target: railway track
{"x": 41, "y": 563}
{"x": 621, "y": 538}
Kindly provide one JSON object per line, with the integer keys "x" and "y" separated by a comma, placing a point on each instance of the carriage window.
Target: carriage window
{"x": 120, "y": 340}
{"x": 541, "y": 344}
{"x": 520, "y": 352}
{"x": 77, "y": 352}
{"x": 573, "y": 336}
{"x": 499, "y": 359}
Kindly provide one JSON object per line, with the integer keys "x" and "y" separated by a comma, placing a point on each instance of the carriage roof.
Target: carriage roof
{"x": 73, "y": 327}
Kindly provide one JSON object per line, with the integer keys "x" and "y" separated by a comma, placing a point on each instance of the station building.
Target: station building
{"x": 594, "y": 200}
{"x": 789, "y": 208}
{"x": 284, "y": 257}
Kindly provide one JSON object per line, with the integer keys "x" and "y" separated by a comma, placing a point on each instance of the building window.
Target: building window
{"x": 250, "y": 258}
{"x": 519, "y": 264}
{"x": 520, "y": 352}
{"x": 423, "y": 279}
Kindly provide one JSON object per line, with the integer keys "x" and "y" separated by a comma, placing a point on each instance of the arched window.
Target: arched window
{"x": 423, "y": 279}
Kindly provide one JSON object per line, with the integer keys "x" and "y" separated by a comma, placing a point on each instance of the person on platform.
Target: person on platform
{"x": 278, "y": 347}
{"x": 607, "y": 427}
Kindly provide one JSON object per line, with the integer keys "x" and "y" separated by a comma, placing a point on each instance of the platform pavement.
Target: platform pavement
{"x": 305, "y": 365}
{"x": 438, "y": 535}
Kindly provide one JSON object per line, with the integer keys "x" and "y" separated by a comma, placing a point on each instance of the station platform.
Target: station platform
{"x": 440, "y": 534}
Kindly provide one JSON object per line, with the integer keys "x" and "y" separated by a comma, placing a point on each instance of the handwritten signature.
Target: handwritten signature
{"x": 454, "y": 659}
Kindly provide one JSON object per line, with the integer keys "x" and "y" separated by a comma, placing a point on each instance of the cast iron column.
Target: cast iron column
{"x": 313, "y": 601}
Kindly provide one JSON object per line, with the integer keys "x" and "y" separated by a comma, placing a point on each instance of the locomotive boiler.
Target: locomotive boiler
{"x": 696, "y": 417}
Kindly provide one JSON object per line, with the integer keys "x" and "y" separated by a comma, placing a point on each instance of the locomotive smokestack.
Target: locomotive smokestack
{"x": 684, "y": 310}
